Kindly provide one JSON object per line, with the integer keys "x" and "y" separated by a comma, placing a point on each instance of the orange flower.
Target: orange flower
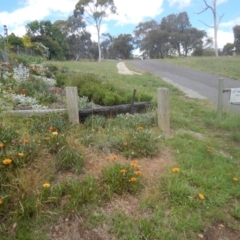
{"x": 139, "y": 128}
{"x": 6, "y": 161}
{"x": 1, "y": 201}
{"x": 201, "y": 196}
{"x": 114, "y": 157}
{"x": 25, "y": 141}
{"x": 47, "y": 138}
{"x": 176, "y": 170}
{"x": 133, "y": 179}
{"x": 209, "y": 150}
{"x": 139, "y": 173}
{"x": 1, "y": 145}
{"x": 50, "y": 128}
{"x": 123, "y": 171}
{"x": 235, "y": 179}
{"x": 107, "y": 158}
{"x": 125, "y": 144}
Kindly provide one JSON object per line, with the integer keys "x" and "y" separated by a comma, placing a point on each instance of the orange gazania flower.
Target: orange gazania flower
{"x": 133, "y": 179}
{"x": 47, "y": 138}
{"x": 176, "y": 170}
{"x": 6, "y": 161}
{"x": 1, "y": 201}
{"x": 25, "y": 141}
{"x": 201, "y": 196}
{"x": 114, "y": 157}
{"x": 50, "y": 128}
{"x": 139, "y": 173}
{"x": 139, "y": 128}
{"x": 125, "y": 144}
{"x": 123, "y": 171}
{"x": 209, "y": 150}
{"x": 107, "y": 158}
{"x": 1, "y": 145}
{"x": 235, "y": 179}
{"x": 134, "y": 164}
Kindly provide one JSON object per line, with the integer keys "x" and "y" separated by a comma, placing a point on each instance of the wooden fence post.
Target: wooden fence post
{"x": 220, "y": 97}
{"x": 72, "y": 104}
{"x": 163, "y": 110}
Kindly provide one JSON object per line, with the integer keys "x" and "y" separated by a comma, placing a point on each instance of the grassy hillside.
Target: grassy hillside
{"x": 121, "y": 178}
{"x": 224, "y": 66}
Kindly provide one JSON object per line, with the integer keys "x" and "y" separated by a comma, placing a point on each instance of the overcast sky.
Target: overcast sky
{"x": 17, "y": 13}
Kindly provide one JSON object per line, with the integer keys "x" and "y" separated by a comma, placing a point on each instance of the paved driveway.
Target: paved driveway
{"x": 203, "y": 83}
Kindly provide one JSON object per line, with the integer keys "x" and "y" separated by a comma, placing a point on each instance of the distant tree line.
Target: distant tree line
{"x": 69, "y": 39}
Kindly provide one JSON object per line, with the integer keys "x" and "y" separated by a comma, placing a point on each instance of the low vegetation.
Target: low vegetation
{"x": 119, "y": 178}
{"x": 224, "y": 66}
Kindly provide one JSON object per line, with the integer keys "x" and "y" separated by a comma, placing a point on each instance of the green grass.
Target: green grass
{"x": 223, "y": 66}
{"x": 164, "y": 205}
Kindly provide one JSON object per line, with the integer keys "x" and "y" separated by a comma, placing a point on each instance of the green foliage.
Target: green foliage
{"x": 27, "y": 59}
{"x": 140, "y": 142}
{"x": 69, "y": 160}
{"x": 122, "y": 178}
{"x": 101, "y": 92}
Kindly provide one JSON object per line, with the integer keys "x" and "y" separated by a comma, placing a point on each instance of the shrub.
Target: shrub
{"x": 122, "y": 178}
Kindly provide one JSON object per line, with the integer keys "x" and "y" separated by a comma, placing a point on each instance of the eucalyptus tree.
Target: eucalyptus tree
{"x": 236, "y": 32}
{"x": 177, "y": 26}
{"x": 107, "y": 46}
{"x": 123, "y": 46}
{"x": 216, "y": 20}
{"x": 93, "y": 12}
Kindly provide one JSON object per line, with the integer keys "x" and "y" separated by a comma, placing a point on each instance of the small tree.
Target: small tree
{"x": 236, "y": 32}
{"x": 93, "y": 12}
{"x": 213, "y": 8}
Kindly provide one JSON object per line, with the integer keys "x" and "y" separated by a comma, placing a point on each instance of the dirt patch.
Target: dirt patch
{"x": 74, "y": 229}
{"x": 218, "y": 231}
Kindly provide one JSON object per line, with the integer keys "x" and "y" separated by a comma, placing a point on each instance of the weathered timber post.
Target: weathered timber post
{"x": 72, "y": 104}
{"x": 163, "y": 110}
{"x": 220, "y": 97}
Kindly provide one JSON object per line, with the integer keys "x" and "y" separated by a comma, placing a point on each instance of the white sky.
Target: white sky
{"x": 129, "y": 12}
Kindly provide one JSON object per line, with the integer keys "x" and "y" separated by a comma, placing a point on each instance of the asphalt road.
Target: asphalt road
{"x": 203, "y": 83}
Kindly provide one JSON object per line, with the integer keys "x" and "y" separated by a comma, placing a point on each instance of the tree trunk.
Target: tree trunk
{"x": 215, "y": 28}
{"x": 99, "y": 45}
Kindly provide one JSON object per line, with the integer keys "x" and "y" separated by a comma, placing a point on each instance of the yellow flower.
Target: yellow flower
{"x": 176, "y": 170}
{"x": 201, "y": 196}
{"x": 46, "y": 185}
{"x": 47, "y": 138}
{"x": 133, "y": 179}
{"x": 139, "y": 128}
{"x": 1, "y": 145}
{"x": 125, "y": 144}
{"x": 6, "y": 161}
{"x": 123, "y": 171}
{"x": 20, "y": 154}
{"x": 55, "y": 133}
{"x": 139, "y": 173}
{"x": 1, "y": 201}
{"x": 235, "y": 179}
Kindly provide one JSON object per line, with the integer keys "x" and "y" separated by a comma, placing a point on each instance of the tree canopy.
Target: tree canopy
{"x": 93, "y": 12}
